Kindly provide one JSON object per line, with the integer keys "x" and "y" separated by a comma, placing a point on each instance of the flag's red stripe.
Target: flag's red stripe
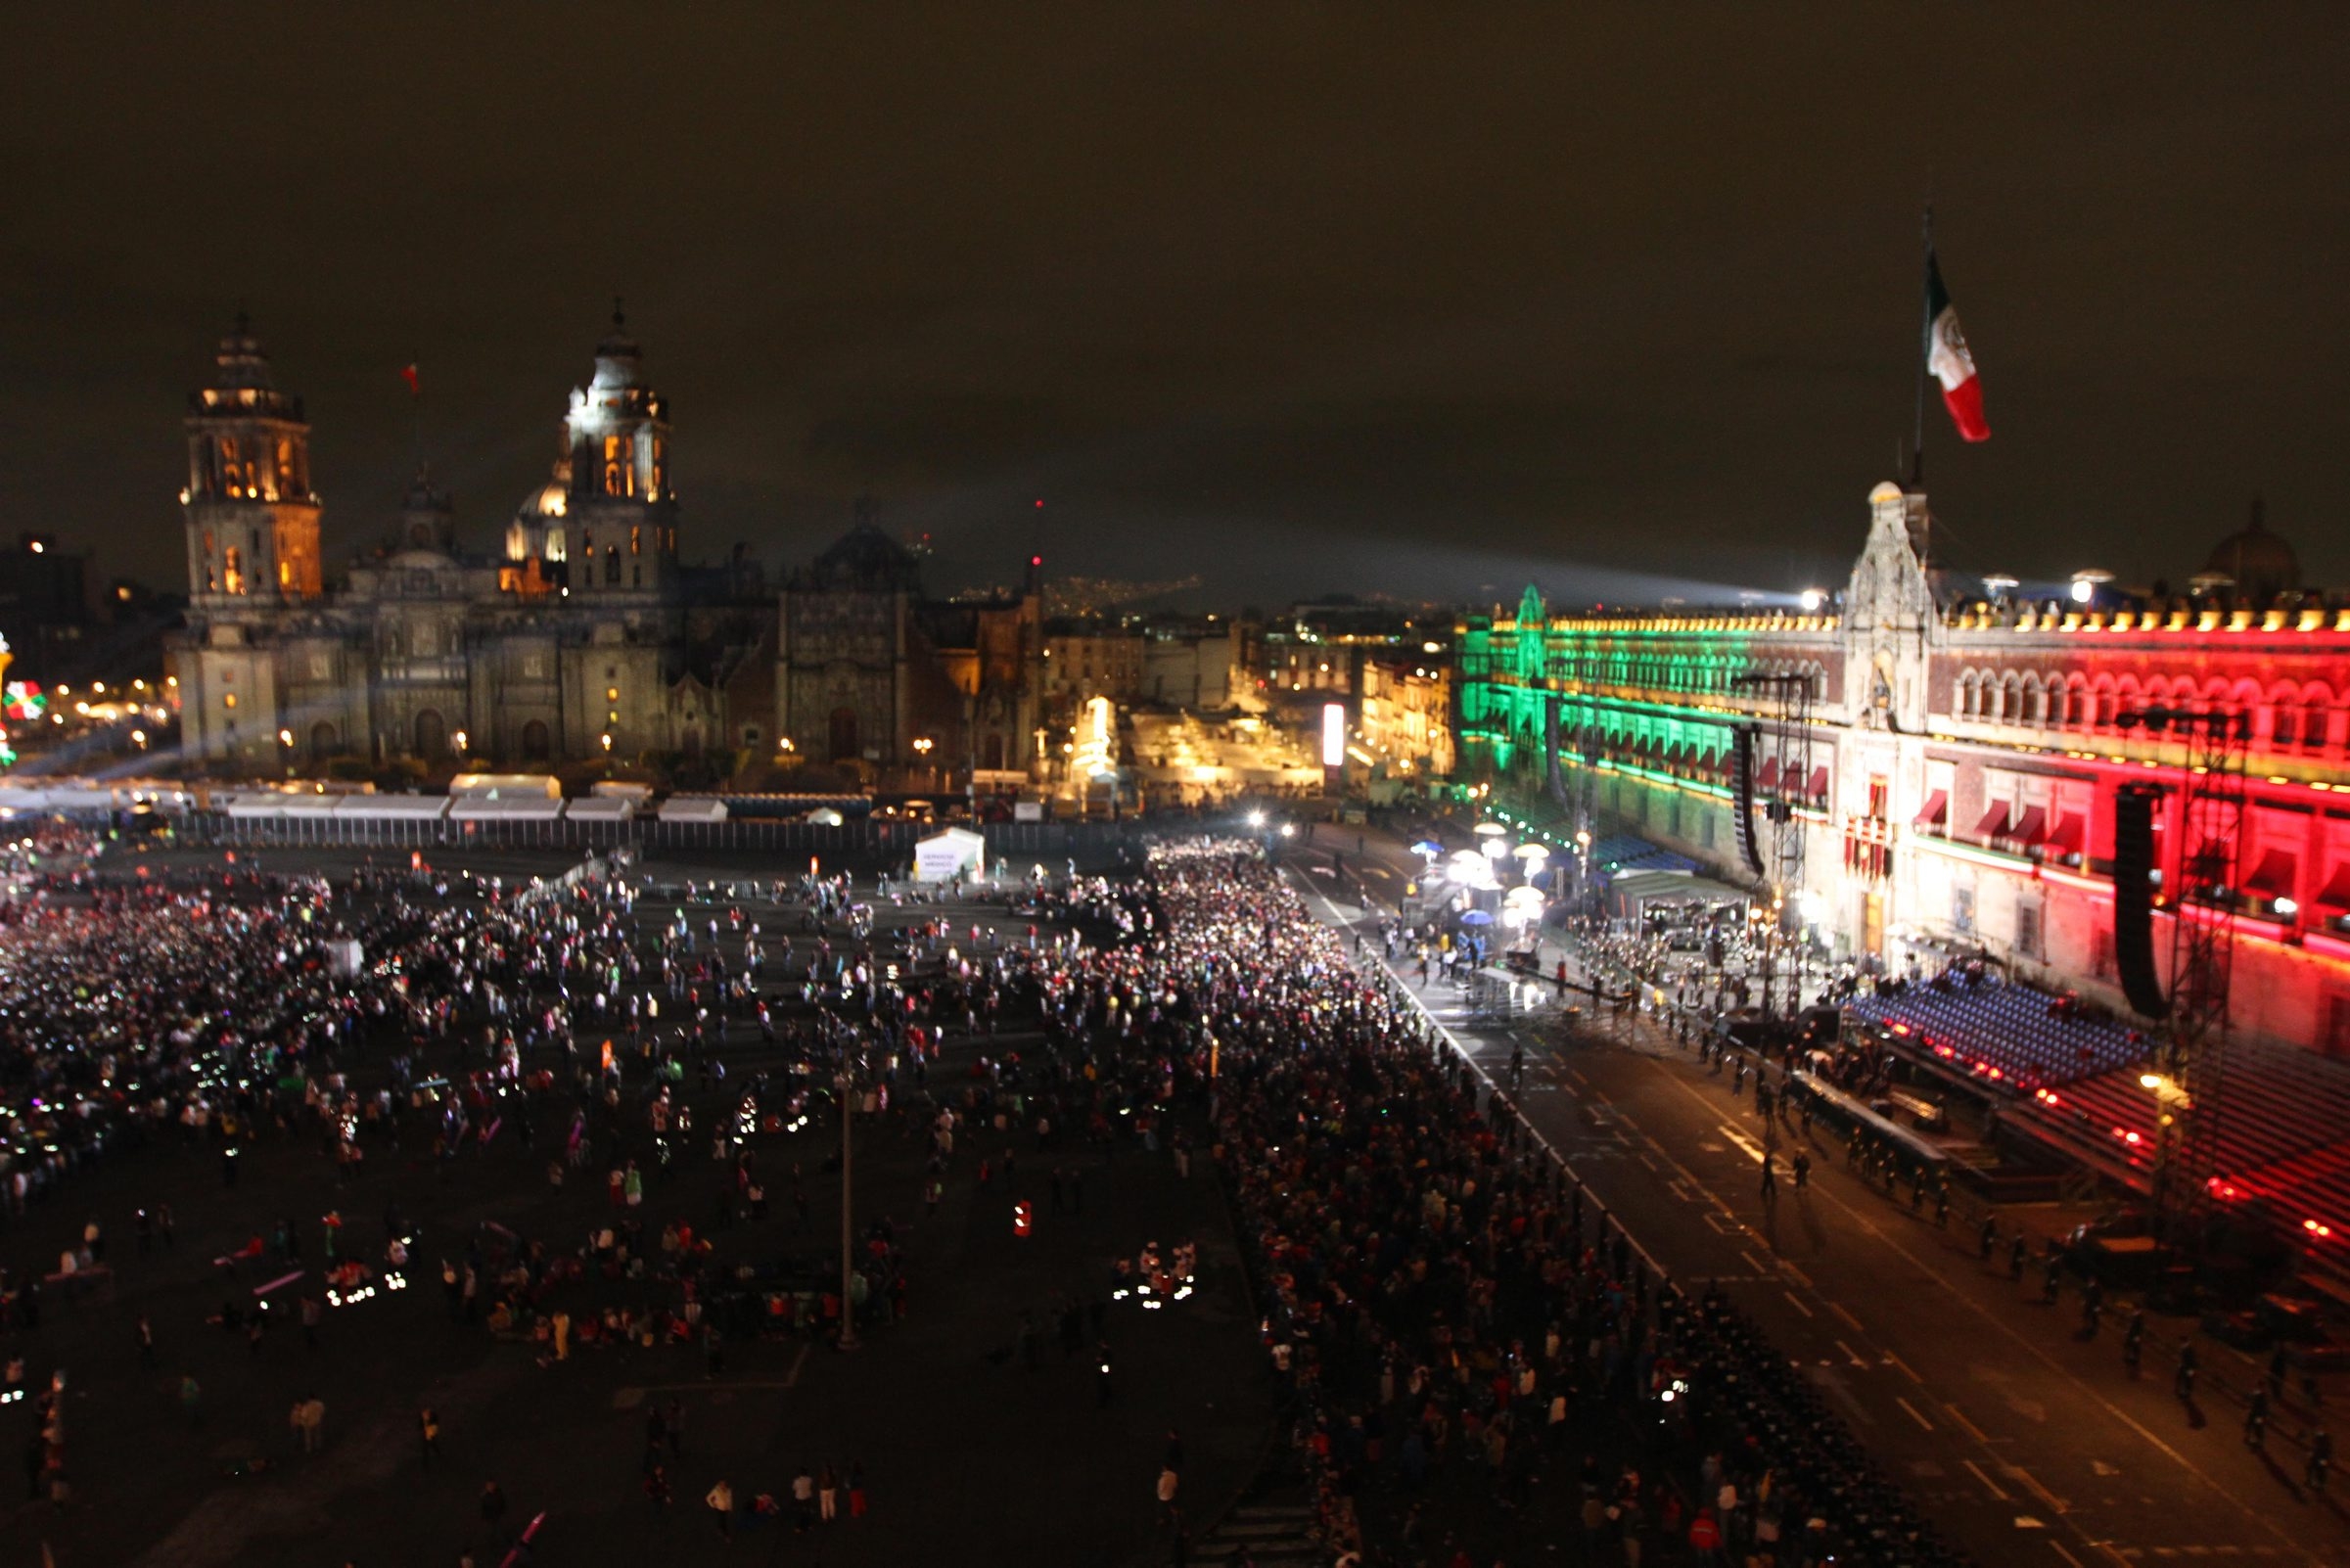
{"x": 1966, "y": 404}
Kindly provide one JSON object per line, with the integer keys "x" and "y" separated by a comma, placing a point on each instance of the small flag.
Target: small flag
{"x": 408, "y": 375}
{"x": 1948, "y": 357}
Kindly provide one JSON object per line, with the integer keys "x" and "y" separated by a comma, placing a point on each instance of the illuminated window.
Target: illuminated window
{"x": 611, "y": 464}
{"x": 284, "y": 573}
{"x": 627, "y": 465}
{"x": 636, "y": 540}
{"x": 234, "y": 577}
{"x": 228, "y": 699}
{"x": 555, "y": 544}
{"x": 661, "y": 469}
{"x": 229, "y": 471}
{"x": 611, "y": 694}
{"x": 613, "y": 716}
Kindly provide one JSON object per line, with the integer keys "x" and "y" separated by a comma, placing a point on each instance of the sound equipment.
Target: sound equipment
{"x": 1743, "y": 747}
{"x": 2133, "y": 898}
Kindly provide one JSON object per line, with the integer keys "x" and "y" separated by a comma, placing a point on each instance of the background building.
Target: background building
{"x": 1951, "y": 787}
{"x": 586, "y": 641}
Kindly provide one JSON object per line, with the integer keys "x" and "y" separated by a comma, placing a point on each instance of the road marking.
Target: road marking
{"x": 1857, "y": 1326}
{"x": 1795, "y": 1273}
{"x": 792, "y": 1378}
{"x": 1752, "y": 1150}
{"x": 1862, "y": 1222}
{"x": 2061, "y": 1552}
{"x": 1989, "y": 1485}
{"x": 1752, "y": 1261}
{"x": 1850, "y": 1354}
{"x": 2057, "y": 1505}
{"x": 1923, "y": 1425}
{"x": 1797, "y": 1305}
{"x": 1905, "y": 1367}
{"x": 1999, "y": 1325}
{"x": 1960, "y": 1416}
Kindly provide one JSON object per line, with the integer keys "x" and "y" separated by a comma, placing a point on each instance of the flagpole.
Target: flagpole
{"x": 1926, "y": 337}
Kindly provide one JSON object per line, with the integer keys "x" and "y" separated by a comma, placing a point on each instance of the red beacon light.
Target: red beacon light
{"x": 1023, "y": 1217}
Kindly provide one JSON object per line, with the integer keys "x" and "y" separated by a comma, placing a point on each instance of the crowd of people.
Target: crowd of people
{"x": 1445, "y": 1320}
{"x": 1440, "y": 1308}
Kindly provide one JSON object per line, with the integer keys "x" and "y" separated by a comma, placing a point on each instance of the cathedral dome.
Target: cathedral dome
{"x": 2261, "y": 564}
{"x": 537, "y": 526}
{"x": 549, "y": 501}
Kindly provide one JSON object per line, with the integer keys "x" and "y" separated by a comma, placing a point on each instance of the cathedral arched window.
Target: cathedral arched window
{"x": 611, "y": 464}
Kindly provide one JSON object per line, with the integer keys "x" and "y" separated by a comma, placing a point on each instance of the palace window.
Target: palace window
{"x": 235, "y": 576}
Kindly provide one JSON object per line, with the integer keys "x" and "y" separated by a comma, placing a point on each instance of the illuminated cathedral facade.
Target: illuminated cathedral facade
{"x": 584, "y": 639}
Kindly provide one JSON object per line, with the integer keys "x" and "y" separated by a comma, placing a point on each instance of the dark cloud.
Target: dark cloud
{"x": 1289, "y": 297}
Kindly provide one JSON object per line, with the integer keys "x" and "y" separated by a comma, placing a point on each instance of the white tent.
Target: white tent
{"x": 949, "y": 854}
{"x": 499, "y": 808}
{"x": 600, "y": 808}
{"x": 389, "y": 807}
{"x": 692, "y": 808}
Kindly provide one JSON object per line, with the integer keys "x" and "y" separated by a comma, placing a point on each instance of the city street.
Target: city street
{"x": 2024, "y": 1441}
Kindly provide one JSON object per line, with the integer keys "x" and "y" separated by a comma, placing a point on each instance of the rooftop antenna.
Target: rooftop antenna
{"x": 1925, "y": 338}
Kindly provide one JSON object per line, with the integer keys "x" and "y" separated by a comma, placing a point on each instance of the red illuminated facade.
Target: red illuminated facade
{"x": 1955, "y": 781}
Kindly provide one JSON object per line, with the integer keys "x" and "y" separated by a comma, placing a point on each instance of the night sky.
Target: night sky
{"x": 1424, "y": 300}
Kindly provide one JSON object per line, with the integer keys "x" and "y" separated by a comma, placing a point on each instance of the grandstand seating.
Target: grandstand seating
{"x": 2283, "y": 1113}
{"x": 2009, "y": 1034}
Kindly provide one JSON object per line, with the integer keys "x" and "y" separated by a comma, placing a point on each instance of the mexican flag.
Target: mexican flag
{"x": 1948, "y": 357}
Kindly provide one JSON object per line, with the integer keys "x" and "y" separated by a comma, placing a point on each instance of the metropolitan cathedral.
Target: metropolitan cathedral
{"x": 585, "y": 638}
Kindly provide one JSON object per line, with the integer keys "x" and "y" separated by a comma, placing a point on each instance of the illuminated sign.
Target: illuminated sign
{"x": 1334, "y": 734}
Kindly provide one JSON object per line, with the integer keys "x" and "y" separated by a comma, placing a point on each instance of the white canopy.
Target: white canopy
{"x": 945, "y": 856}
{"x": 692, "y": 808}
{"x": 505, "y": 809}
{"x": 385, "y": 807}
{"x": 601, "y": 809}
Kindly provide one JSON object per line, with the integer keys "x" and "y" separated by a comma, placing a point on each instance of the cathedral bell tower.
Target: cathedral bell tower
{"x": 252, "y": 519}
{"x": 619, "y": 518}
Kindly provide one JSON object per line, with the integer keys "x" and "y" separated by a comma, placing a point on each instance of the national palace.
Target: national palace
{"x": 1945, "y": 755}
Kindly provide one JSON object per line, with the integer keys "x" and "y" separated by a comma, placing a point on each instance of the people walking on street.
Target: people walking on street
{"x": 720, "y": 1503}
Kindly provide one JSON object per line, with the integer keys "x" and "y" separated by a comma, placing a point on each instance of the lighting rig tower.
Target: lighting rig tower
{"x": 2200, "y": 889}
{"x": 1782, "y": 735}
{"x": 1579, "y": 797}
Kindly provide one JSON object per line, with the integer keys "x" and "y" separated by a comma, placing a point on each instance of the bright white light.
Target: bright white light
{"x": 1812, "y": 599}
{"x": 1256, "y": 820}
{"x": 1334, "y": 734}
{"x": 1289, "y": 830}
{"x": 2084, "y": 590}
{"x": 2288, "y": 907}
